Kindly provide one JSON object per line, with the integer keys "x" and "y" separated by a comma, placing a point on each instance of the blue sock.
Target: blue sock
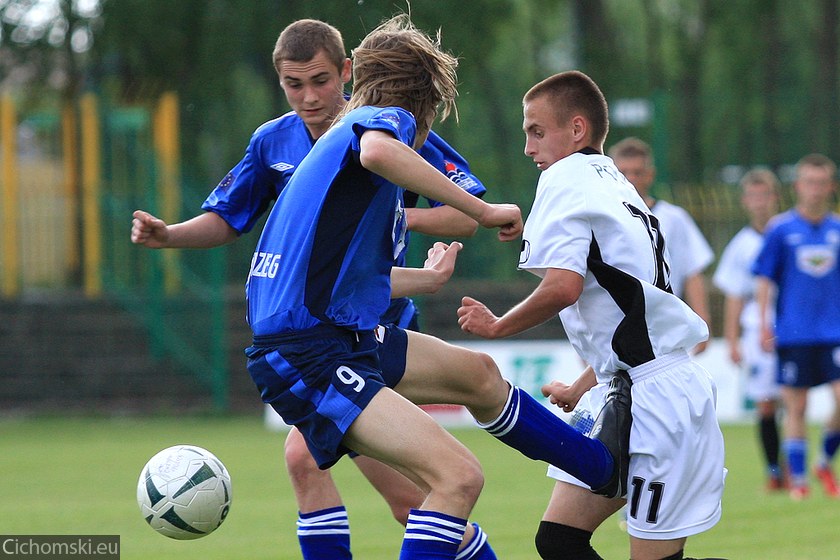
{"x": 796, "y": 452}
{"x": 478, "y": 548}
{"x": 831, "y": 441}
{"x": 431, "y": 535}
{"x": 324, "y": 534}
{"x": 533, "y": 430}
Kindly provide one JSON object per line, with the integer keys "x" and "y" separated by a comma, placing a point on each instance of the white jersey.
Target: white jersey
{"x": 734, "y": 278}
{"x": 689, "y": 251}
{"x": 734, "y": 275}
{"x": 589, "y": 219}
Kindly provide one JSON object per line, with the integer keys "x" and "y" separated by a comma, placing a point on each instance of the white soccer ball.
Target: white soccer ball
{"x": 184, "y": 492}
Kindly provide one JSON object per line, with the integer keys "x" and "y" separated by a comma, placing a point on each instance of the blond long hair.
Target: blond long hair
{"x": 399, "y": 65}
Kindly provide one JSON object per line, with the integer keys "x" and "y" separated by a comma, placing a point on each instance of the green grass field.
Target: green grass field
{"x": 78, "y": 476}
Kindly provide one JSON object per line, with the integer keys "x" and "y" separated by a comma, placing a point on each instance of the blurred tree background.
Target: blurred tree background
{"x": 714, "y": 86}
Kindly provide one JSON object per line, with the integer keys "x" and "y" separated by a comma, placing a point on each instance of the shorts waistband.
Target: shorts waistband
{"x": 656, "y": 365}
{"x": 318, "y": 331}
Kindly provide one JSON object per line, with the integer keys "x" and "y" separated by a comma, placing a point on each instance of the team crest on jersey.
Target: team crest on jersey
{"x": 815, "y": 260}
{"x": 226, "y": 182}
{"x": 458, "y": 177}
{"x": 525, "y": 251}
{"x": 282, "y": 166}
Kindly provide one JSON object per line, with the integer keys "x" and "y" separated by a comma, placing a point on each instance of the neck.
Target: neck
{"x": 813, "y": 213}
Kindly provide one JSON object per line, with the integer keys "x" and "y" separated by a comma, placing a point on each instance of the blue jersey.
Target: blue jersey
{"x": 276, "y": 149}
{"x": 326, "y": 252}
{"x": 800, "y": 257}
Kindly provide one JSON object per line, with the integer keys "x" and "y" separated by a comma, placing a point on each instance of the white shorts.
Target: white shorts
{"x": 675, "y": 481}
{"x": 761, "y": 369}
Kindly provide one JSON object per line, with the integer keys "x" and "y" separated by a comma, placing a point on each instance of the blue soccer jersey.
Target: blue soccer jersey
{"x": 276, "y": 149}
{"x": 329, "y": 243}
{"x": 274, "y": 152}
{"x": 800, "y": 257}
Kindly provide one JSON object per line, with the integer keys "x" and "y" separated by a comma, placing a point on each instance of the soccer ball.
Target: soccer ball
{"x": 184, "y": 492}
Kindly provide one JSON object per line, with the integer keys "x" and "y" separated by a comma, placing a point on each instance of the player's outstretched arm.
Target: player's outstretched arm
{"x": 386, "y": 156}
{"x": 558, "y": 289}
{"x": 202, "y": 232}
{"x": 440, "y": 221}
{"x": 436, "y": 271}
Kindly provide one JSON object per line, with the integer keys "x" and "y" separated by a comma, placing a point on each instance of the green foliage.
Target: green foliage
{"x": 78, "y": 476}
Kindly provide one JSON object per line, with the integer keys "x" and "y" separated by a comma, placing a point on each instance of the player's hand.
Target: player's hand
{"x": 735, "y": 354}
{"x": 148, "y": 230}
{"x": 561, "y": 395}
{"x": 441, "y": 259}
{"x": 700, "y": 348}
{"x": 475, "y": 318}
{"x": 506, "y": 217}
{"x": 768, "y": 340}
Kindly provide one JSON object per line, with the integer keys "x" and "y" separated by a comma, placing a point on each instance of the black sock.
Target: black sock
{"x": 769, "y": 432}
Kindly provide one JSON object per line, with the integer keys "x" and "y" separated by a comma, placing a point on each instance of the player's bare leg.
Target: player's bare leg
{"x": 401, "y": 494}
{"x": 439, "y": 372}
{"x": 314, "y": 489}
{"x": 795, "y": 439}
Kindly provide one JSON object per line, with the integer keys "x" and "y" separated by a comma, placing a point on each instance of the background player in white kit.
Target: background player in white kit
{"x": 690, "y": 253}
{"x": 741, "y": 321}
{"x": 599, "y": 252}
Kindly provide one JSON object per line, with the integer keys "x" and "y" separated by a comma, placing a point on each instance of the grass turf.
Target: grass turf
{"x": 78, "y": 476}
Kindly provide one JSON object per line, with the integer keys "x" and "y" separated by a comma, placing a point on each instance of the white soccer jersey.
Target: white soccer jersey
{"x": 588, "y": 218}
{"x": 689, "y": 251}
{"x": 734, "y": 278}
{"x": 734, "y": 275}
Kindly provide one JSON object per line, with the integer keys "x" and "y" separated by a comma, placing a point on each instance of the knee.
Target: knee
{"x": 562, "y": 542}
{"x": 487, "y": 379}
{"x": 466, "y": 481}
{"x": 299, "y": 462}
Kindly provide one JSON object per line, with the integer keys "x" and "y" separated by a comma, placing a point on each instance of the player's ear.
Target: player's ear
{"x": 346, "y": 71}
{"x": 580, "y": 128}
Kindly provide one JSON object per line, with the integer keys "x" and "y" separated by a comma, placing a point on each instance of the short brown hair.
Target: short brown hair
{"x": 631, "y": 147}
{"x": 399, "y": 65}
{"x": 302, "y": 40}
{"x": 818, "y": 160}
{"x": 572, "y": 93}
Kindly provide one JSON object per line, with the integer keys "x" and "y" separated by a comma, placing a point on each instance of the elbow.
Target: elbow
{"x": 374, "y": 153}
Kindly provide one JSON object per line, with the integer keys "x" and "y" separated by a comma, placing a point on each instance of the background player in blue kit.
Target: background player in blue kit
{"x": 333, "y": 235}
{"x": 799, "y": 263}
{"x": 310, "y": 60}
{"x": 602, "y": 261}
{"x": 741, "y": 322}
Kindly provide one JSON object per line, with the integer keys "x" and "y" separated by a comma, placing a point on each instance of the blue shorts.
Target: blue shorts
{"x": 808, "y": 366}
{"x": 320, "y": 379}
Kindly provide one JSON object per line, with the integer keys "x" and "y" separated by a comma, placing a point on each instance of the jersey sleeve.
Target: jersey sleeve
{"x": 558, "y": 233}
{"x": 733, "y": 276}
{"x": 244, "y": 193}
{"x": 698, "y": 254}
{"x": 399, "y": 122}
{"x": 768, "y": 261}
{"x": 449, "y": 162}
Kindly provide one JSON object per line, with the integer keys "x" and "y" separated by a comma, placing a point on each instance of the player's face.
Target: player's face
{"x": 315, "y": 90}
{"x": 546, "y": 140}
{"x": 638, "y": 171}
{"x": 760, "y": 201}
{"x": 814, "y": 186}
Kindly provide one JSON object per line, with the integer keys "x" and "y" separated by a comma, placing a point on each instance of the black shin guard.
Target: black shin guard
{"x": 561, "y": 542}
